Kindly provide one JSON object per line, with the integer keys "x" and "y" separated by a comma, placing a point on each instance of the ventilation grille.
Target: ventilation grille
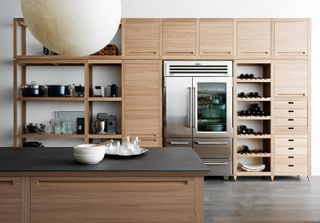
{"x": 205, "y": 69}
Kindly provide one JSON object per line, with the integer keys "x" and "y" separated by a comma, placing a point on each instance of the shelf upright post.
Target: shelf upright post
{"x": 86, "y": 101}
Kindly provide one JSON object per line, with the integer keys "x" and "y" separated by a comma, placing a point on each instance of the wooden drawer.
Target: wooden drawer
{"x": 291, "y": 113}
{"x": 291, "y": 159}
{"x": 291, "y": 141}
{"x": 298, "y": 168}
{"x": 288, "y": 122}
{"x": 141, "y": 38}
{"x": 291, "y": 103}
{"x": 151, "y": 141}
{"x": 291, "y": 130}
{"x": 290, "y": 150}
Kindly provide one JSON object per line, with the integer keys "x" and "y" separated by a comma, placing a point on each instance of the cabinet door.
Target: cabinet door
{"x": 253, "y": 38}
{"x": 291, "y": 38}
{"x": 291, "y": 78}
{"x": 141, "y": 38}
{"x": 11, "y": 200}
{"x": 216, "y": 37}
{"x": 179, "y": 37}
{"x": 142, "y": 107}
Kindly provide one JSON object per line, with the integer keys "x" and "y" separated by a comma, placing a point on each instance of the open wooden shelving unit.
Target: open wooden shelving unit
{"x": 264, "y": 86}
{"x": 24, "y": 60}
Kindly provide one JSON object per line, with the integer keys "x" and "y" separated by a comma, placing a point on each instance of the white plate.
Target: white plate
{"x": 142, "y": 151}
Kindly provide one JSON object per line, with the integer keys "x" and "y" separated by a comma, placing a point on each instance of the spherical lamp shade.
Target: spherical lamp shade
{"x": 73, "y": 27}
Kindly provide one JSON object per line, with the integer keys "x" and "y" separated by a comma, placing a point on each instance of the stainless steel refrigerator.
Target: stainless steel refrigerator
{"x": 198, "y": 110}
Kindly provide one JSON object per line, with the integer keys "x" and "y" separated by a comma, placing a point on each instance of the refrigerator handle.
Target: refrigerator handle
{"x": 164, "y": 109}
{"x": 193, "y": 107}
{"x": 189, "y": 112}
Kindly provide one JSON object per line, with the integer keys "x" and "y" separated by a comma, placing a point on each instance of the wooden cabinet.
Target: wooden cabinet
{"x": 11, "y": 199}
{"x": 216, "y": 38}
{"x": 141, "y": 38}
{"x": 253, "y": 38}
{"x": 142, "y": 94}
{"x": 291, "y": 38}
{"x": 179, "y": 37}
{"x": 291, "y": 117}
{"x": 115, "y": 199}
{"x": 291, "y": 78}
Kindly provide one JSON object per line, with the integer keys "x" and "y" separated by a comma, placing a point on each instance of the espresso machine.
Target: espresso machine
{"x": 105, "y": 124}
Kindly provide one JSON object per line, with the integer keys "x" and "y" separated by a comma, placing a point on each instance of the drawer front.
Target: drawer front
{"x": 291, "y": 141}
{"x": 151, "y": 142}
{"x": 296, "y": 168}
{"x": 291, "y": 159}
{"x": 178, "y": 142}
{"x": 291, "y": 150}
{"x": 290, "y": 103}
{"x": 219, "y": 167}
{"x": 290, "y": 122}
{"x": 291, "y": 113}
{"x": 291, "y": 130}
{"x": 213, "y": 148}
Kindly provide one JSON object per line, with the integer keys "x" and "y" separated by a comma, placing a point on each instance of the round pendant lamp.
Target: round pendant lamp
{"x": 72, "y": 27}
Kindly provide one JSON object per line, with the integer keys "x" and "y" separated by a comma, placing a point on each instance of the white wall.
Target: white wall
{"x": 176, "y": 8}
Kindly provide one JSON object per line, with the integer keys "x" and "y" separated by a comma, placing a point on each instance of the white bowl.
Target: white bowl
{"x": 88, "y": 153}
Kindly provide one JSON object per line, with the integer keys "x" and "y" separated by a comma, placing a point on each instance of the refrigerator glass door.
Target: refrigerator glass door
{"x": 178, "y": 107}
{"x": 212, "y": 106}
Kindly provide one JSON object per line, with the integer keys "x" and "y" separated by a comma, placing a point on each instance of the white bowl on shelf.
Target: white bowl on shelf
{"x": 88, "y": 153}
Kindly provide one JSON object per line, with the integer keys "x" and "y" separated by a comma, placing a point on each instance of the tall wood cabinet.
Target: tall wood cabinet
{"x": 142, "y": 95}
{"x": 292, "y": 117}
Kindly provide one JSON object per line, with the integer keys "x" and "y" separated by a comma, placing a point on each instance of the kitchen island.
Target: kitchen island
{"x": 40, "y": 185}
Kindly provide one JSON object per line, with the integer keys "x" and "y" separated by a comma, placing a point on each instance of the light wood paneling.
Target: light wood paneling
{"x": 286, "y": 122}
{"x": 253, "y": 38}
{"x": 141, "y": 38}
{"x": 291, "y": 38}
{"x": 11, "y": 199}
{"x": 291, "y": 78}
{"x": 296, "y": 168}
{"x": 287, "y": 159}
{"x": 290, "y": 103}
{"x": 291, "y": 130}
{"x": 179, "y": 37}
{"x": 291, "y": 141}
{"x": 142, "y": 109}
{"x": 216, "y": 38}
{"x": 158, "y": 200}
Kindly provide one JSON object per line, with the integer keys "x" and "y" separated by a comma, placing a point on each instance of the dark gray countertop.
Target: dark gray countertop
{"x": 62, "y": 160}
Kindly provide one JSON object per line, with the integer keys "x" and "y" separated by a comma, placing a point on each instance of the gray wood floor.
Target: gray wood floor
{"x": 257, "y": 200}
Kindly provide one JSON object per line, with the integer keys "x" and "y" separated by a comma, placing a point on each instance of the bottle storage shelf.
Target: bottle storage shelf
{"x": 252, "y": 118}
{"x": 254, "y": 81}
{"x": 266, "y": 136}
{"x": 254, "y": 99}
{"x": 253, "y": 155}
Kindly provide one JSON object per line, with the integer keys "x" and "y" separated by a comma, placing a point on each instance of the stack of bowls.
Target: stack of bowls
{"x": 89, "y": 153}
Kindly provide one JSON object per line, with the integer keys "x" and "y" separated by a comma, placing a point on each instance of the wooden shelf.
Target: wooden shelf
{"x": 49, "y": 99}
{"x": 261, "y": 173}
{"x": 266, "y": 136}
{"x": 254, "y": 99}
{"x": 105, "y": 136}
{"x": 254, "y": 81}
{"x": 40, "y": 59}
{"x": 105, "y": 99}
{"x": 254, "y": 155}
{"x": 50, "y": 136}
{"x": 253, "y": 118}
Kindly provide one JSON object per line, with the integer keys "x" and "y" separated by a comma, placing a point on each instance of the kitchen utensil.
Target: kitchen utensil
{"x": 110, "y": 122}
{"x": 33, "y": 144}
{"x": 57, "y": 90}
{"x": 35, "y": 128}
{"x": 33, "y": 90}
{"x": 100, "y": 127}
{"x": 98, "y": 91}
{"x": 79, "y": 90}
{"x": 114, "y": 90}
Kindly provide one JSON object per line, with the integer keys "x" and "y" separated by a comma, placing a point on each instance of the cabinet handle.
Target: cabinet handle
{"x": 290, "y": 102}
{"x": 179, "y": 52}
{"x": 257, "y": 52}
{"x": 292, "y": 94}
{"x": 211, "y": 143}
{"x": 290, "y": 128}
{"x": 292, "y": 52}
{"x": 290, "y": 148}
{"x": 290, "y": 157}
{"x": 216, "y": 163}
{"x": 7, "y": 182}
{"x": 179, "y": 143}
{"x": 290, "y": 140}
{"x": 290, "y": 120}
{"x": 290, "y": 165}
{"x": 290, "y": 111}
{"x": 214, "y": 52}
{"x": 146, "y": 52}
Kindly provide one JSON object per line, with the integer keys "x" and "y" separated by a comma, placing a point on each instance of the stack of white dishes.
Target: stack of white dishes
{"x": 251, "y": 167}
{"x": 89, "y": 153}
